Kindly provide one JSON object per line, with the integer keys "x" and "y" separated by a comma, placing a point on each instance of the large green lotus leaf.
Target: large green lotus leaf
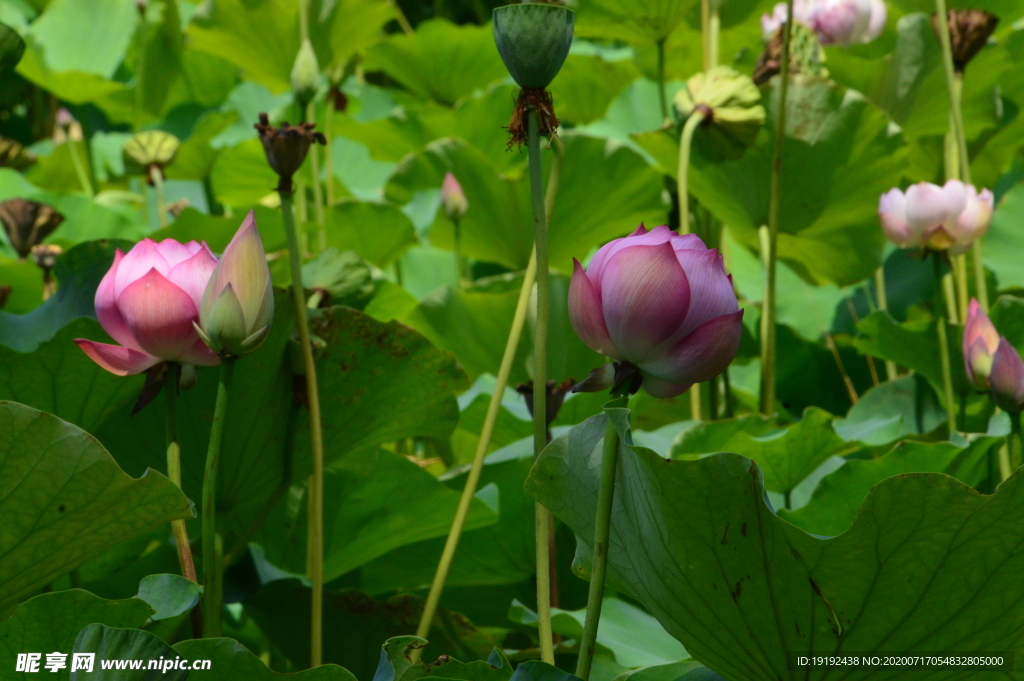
{"x": 218, "y": 231}
{"x": 892, "y": 410}
{"x": 508, "y": 428}
{"x": 498, "y": 226}
{"x": 502, "y": 553}
{"x": 587, "y": 85}
{"x": 807, "y": 375}
{"x": 78, "y": 273}
{"x": 356, "y": 625}
{"x": 169, "y": 595}
{"x": 786, "y": 455}
{"x": 241, "y": 175}
{"x": 649, "y": 22}
{"x": 375, "y": 501}
{"x": 67, "y": 500}
{"x": 743, "y": 589}
{"x": 349, "y": 27}
{"x": 66, "y": 32}
{"x": 631, "y": 636}
{"x": 910, "y": 84}
{"x": 109, "y": 643}
{"x": 58, "y": 378}
{"x": 707, "y": 437}
{"x": 1007, "y": 314}
{"x": 838, "y": 158}
{"x": 1005, "y": 238}
{"x": 832, "y": 509}
{"x": 441, "y": 61}
{"x": 195, "y": 157}
{"x": 399, "y": 661}
{"x": 24, "y": 280}
{"x": 676, "y": 671}
{"x": 379, "y": 232}
{"x": 72, "y": 86}
{"x": 231, "y": 661}
{"x": 202, "y": 79}
{"x": 55, "y": 171}
{"x": 12, "y": 47}
{"x": 50, "y": 622}
{"x": 535, "y": 670}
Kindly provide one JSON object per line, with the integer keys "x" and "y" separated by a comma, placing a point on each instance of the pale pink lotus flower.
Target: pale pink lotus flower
{"x": 147, "y": 302}
{"x": 835, "y": 22}
{"x": 453, "y": 199}
{"x": 661, "y": 303}
{"x": 951, "y": 217}
{"x": 981, "y": 340}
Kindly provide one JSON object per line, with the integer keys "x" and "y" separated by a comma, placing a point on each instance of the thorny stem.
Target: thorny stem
{"x": 212, "y": 541}
{"x": 178, "y": 528}
{"x": 315, "y": 533}
{"x": 602, "y": 531}
{"x": 770, "y": 238}
{"x": 540, "y": 380}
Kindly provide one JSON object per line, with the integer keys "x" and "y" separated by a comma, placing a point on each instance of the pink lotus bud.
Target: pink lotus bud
{"x": 835, "y": 22}
{"x": 147, "y": 302}
{"x": 950, "y": 217}
{"x": 237, "y": 308}
{"x": 453, "y": 199}
{"x": 981, "y": 340}
{"x": 1007, "y": 377}
{"x": 660, "y": 302}
{"x": 770, "y": 23}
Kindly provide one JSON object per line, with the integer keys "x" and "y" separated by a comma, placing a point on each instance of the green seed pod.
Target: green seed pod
{"x": 533, "y": 41}
{"x": 734, "y": 101}
{"x": 148, "y": 149}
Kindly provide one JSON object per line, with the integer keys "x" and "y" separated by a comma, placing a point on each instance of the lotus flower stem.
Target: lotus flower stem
{"x": 711, "y": 25}
{"x": 540, "y": 380}
{"x": 602, "y": 530}
{"x": 770, "y": 235}
{"x": 947, "y": 373}
{"x": 83, "y": 176}
{"x": 213, "y": 546}
{"x": 318, "y": 194}
{"x": 1015, "y": 444}
{"x": 662, "y": 100}
{"x": 486, "y": 432}
{"x": 315, "y": 536}
{"x": 157, "y": 177}
{"x": 883, "y": 305}
{"x": 460, "y": 261}
{"x": 329, "y": 151}
{"x": 185, "y": 559}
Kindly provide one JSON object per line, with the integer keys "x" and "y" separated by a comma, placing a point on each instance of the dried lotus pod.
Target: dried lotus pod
{"x": 27, "y": 223}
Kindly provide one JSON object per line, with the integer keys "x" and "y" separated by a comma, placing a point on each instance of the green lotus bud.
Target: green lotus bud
{"x": 148, "y": 150}
{"x": 731, "y": 101}
{"x": 238, "y": 304}
{"x": 305, "y": 74}
{"x": 533, "y": 41}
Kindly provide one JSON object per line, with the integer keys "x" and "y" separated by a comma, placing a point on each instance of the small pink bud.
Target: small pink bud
{"x": 660, "y": 302}
{"x": 1007, "y": 377}
{"x": 453, "y": 198}
{"x": 147, "y": 302}
{"x": 981, "y": 340}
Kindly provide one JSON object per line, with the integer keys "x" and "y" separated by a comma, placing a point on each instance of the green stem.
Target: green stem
{"x": 602, "y": 530}
{"x": 770, "y": 236}
{"x": 83, "y": 176}
{"x": 318, "y": 194}
{"x": 714, "y": 28}
{"x": 682, "y": 176}
{"x": 883, "y": 305}
{"x": 486, "y": 432}
{"x": 540, "y": 378}
{"x": 662, "y": 100}
{"x": 178, "y": 527}
{"x": 947, "y": 373}
{"x": 329, "y": 150}
{"x": 460, "y": 263}
{"x": 315, "y": 536}
{"x": 1015, "y": 441}
{"x": 212, "y": 541}
{"x": 161, "y": 201}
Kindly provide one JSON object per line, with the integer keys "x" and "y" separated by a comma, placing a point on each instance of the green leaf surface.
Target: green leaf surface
{"x": 50, "y": 622}
{"x": 676, "y": 671}
{"x": 398, "y": 664}
{"x": 127, "y": 646}
{"x": 73, "y": 500}
{"x": 169, "y": 595}
{"x": 742, "y": 588}
{"x": 12, "y": 47}
{"x": 231, "y": 661}
{"x": 66, "y": 34}
{"x": 378, "y": 232}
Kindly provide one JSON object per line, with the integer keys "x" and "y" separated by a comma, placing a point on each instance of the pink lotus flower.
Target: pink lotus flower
{"x": 661, "y": 303}
{"x": 835, "y": 22}
{"x": 147, "y": 302}
{"x": 1007, "y": 377}
{"x": 981, "y": 340}
{"x": 949, "y": 217}
{"x": 453, "y": 199}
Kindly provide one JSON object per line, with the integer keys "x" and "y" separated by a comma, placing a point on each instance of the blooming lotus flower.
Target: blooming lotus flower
{"x": 981, "y": 340}
{"x": 238, "y": 304}
{"x": 659, "y": 303}
{"x": 147, "y": 302}
{"x": 949, "y": 217}
{"x": 1007, "y": 377}
{"x": 453, "y": 199}
{"x": 835, "y": 22}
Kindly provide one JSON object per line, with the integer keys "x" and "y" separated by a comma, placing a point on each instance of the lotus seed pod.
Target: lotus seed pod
{"x": 733, "y": 99}
{"x": 149, "y": 149}
{"x": 533, "y": 41}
